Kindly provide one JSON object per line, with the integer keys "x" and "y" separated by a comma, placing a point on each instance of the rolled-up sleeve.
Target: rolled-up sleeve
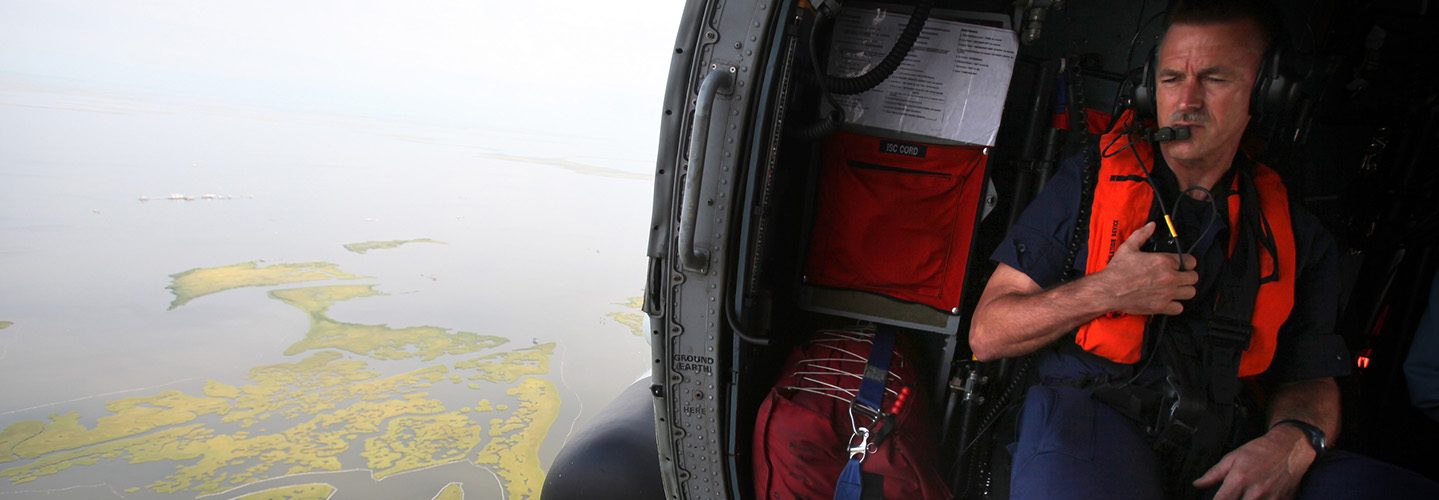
{"x": 1037, "y": 243}
{"x": 1308, "y": 346}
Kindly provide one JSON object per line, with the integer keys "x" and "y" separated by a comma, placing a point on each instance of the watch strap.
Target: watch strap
{"x": 1315, "y": 434}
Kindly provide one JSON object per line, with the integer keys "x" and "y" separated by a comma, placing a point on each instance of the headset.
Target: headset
{"x": 1273, "y": 88}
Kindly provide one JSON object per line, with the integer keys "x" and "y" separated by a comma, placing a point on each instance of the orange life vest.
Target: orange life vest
{"x": 1121, "y": 205}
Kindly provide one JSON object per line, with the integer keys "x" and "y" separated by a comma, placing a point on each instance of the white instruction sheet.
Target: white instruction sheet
{"x": 951, "y": 85}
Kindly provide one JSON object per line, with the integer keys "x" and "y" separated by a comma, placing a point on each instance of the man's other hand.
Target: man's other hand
{"x": 1270, "y": 466}
{"x": 1146, "y": 283}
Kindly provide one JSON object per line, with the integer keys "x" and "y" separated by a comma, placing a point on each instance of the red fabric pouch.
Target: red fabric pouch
{"x": 896, "y": 218}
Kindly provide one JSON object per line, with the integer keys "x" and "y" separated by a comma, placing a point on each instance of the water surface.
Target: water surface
{"x": 537, "y": 185}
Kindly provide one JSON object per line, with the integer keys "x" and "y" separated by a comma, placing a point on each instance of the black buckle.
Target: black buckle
{"x": 1227, "y": 333}
{"x": 886, "y": 427}
{"x": 1176, "y": 421}
{"x": 1173, "y": 437}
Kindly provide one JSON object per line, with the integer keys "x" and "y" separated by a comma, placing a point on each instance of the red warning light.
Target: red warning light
{"x": 1362, "y": 360}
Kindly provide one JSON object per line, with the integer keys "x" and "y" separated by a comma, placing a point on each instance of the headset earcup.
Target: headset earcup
{"x": 1271, "y": 86}
{"x": 1144, "y": 102}
{"x": 1258, "y": 96}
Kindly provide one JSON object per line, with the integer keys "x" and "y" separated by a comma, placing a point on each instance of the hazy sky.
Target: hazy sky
{"x": 471, "y": 63}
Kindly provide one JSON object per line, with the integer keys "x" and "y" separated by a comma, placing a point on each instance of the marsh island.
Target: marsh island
{"x": 352, "y": 396}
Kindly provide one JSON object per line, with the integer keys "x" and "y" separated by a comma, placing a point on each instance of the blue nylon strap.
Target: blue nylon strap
{"x": 876, "y": 372}
{"x": 849, "y": 486}
{"x": 870, "y": 399}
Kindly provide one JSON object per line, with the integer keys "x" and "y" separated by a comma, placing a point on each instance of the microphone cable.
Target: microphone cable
{"x": 1179, "y": 252}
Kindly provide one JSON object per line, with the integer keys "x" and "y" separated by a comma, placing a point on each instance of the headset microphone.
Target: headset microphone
{"x": 1166, "y": 134}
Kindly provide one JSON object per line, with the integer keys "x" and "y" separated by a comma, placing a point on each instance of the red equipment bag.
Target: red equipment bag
{"x": 896, "y": 218}
{"x": 803, "y": 427}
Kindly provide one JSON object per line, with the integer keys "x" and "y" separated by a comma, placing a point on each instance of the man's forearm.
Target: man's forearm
{"x": 1313, "y": 401}
{"x": 1017, "y": 323}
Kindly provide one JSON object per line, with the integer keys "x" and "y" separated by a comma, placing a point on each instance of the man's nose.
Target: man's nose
{"x": 1191, "y": 96}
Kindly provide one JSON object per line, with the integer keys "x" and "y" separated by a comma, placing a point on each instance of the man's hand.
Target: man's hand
{"x": 1140, "y": 282}
{"x": 1015, "y": 316}
{"x": 1270, "y": 466}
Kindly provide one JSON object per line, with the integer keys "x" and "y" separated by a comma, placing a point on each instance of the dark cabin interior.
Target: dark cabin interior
{"x": 1356, "y": 148}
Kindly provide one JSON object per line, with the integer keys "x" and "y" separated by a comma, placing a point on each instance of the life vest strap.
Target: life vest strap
{"x": 1231, "y": 326}
{"x": 1224, "y": 345}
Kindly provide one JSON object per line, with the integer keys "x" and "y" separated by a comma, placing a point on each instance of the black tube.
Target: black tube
{"x": 1050, "y": 157}
{"x": 886, "y": 66}
{"x": 1039, "y": 110}
{"x": 738, "y": 328}
{"x": 970, "y": 408}
{"x": 974, "y": 455}
{"x": 951, "y": 401}
{"x": 822, "y": 128}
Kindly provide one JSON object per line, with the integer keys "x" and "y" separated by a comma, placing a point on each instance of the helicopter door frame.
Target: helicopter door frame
{"x": 720, "y": 54}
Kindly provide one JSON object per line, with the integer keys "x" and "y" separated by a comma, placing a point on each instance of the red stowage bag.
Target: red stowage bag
{"x": 803, "y": 427}
{"x": 896, "y": 218}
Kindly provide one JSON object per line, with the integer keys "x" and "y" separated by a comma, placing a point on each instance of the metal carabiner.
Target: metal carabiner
{"x": 859, "y": 444}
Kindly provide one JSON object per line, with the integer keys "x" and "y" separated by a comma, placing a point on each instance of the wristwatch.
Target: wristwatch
{"x": 1316, "y": 436}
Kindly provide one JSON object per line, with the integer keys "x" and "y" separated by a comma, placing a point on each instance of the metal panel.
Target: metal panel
{"x": 691, "y": 344}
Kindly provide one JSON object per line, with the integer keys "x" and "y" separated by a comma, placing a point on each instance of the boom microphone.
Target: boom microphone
{"x": 1166, "y": 134}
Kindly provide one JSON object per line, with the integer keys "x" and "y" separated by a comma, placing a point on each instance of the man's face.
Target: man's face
{"x": 1205, "y": 75}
